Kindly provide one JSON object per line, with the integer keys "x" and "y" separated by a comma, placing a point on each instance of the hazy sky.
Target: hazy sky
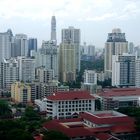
{"x": 95, "y": 18}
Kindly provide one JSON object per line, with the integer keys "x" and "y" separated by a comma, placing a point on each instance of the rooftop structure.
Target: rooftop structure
{"x": 94, "y": 125}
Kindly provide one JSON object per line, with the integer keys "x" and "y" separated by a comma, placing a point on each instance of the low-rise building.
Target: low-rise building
{"x": 120, "y": 97}
{"x": 67, "y": 104}
{"x": 97, "y": 125}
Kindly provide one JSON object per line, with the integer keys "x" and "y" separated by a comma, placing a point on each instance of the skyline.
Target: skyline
{"x": 94, "y": 18}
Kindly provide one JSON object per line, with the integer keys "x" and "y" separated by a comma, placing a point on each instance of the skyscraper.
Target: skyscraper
{"x": 26, "y": 69}
{"x": 47, "y": 56}
{"x": 5, "y": 44}
{"x": 10, "y": 73}
{"x": 32, "y": 45}
{"x": 21, "y": 45}
{"x": 72, "y": 36}
{"x": 116, "y": 44}
{"x": 53, "y": 28}
{"x": 67, "y": 63}
{"x": 5, "y": 47}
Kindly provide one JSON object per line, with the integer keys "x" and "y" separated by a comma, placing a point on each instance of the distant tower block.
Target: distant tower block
{"x": 53, "y": 28}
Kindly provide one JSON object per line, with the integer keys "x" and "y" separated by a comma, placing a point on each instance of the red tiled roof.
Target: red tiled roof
{"x": 123, "y": 128}
{"x": 70, "y": 132}
{"x": 120, "y": 92}
{"x": 106, "y": 120}
{"x": 79, "y": 131}
{"x": 105, "y": 136}
{"x": 71, "y": 95}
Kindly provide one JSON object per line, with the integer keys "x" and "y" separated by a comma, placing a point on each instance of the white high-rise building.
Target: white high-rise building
{"x": 21, "y": 45}
{"x": 43, "y": 75}
{"x": 123, "y": 70}
{"x": 47, "y": 56}
{"x": 10, "y": 73}
{"x": 26, "y": 69}
{"x": 116, "y": 44}
{"x": 53, "y": 28}
{"x": 5, "y": 44}
{"x": 72, "y": 36}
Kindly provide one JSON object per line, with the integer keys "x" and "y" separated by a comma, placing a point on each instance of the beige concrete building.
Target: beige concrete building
{"x": 21, "y": 93}
{"x": 67, "y": 63}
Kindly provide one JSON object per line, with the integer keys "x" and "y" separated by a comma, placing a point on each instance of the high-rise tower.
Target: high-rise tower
{"x": 53, "y": 28}
{"x": 116, "y": 44}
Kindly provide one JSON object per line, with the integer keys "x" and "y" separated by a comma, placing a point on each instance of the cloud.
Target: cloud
{"x": 89, "y": 10}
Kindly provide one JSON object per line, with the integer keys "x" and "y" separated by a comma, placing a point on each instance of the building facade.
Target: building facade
{"x": 26, "y": 69}
{"x": 120, "y": 97}
{"x": 9, "y": 72}
{"x": 72, "y": 36}
{"x": 47, "y": 56}
{"x": 67, "y": 104}
{"x": 21, "y": 93}
{"x": 116, "y": 44}
{"x": 20, "y": 45}
{"x": 32, "y": 46}
{"x": 67, "y": 62}
{"x": 123, "y": 70}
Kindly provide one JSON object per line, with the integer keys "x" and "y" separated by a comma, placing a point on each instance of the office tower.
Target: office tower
{"x": 72, "y": 36}
{"x": 53, "y": 28}
{"x": 21, "y": 45}
{"x": 21, "y": 93}
{"x": 123, "y": 70}
{"x": 131, "y": 48}
{"x": 26, "y": 69}
{"x": 5, "y": 47}
{"x": 91, "y": 50}
{"x": 44, "y": 75}
{"x": 5, "y": 44}
{"x": 48, "y": 56}
{"x": 32, "y": 46}
{"x": 10, "y": 73}
{"x": 116, "y": 44}
{"x": 137, "y": 80}
{"x": 67, "y": 63}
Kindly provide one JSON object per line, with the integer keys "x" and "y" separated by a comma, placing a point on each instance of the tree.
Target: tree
{"x": 5, "y": 111}
{"x": 18, "y": 134}
{"x": 55, "y": 135}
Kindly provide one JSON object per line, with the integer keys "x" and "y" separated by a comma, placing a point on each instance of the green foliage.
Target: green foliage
{"x": 97, "y": 65}
{"x": 30, "y": 115}
{"x": 105, "y": 83}
{"x": 5, "y": 111}
{"x": 54, "y": 135}
{"x": 132, "y": 112}
{"x": 18, "y": 134}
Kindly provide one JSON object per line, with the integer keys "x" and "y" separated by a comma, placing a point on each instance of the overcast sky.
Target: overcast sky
{"x": 95, "y": 18}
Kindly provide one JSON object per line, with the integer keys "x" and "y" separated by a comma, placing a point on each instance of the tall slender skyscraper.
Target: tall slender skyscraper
{"x": 53, "y": 28}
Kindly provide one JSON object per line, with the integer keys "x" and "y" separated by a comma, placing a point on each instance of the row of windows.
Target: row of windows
{"x": 75, "y": 109}
{"x": 72, "y": 102}
{"x": 80, "y": 105}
